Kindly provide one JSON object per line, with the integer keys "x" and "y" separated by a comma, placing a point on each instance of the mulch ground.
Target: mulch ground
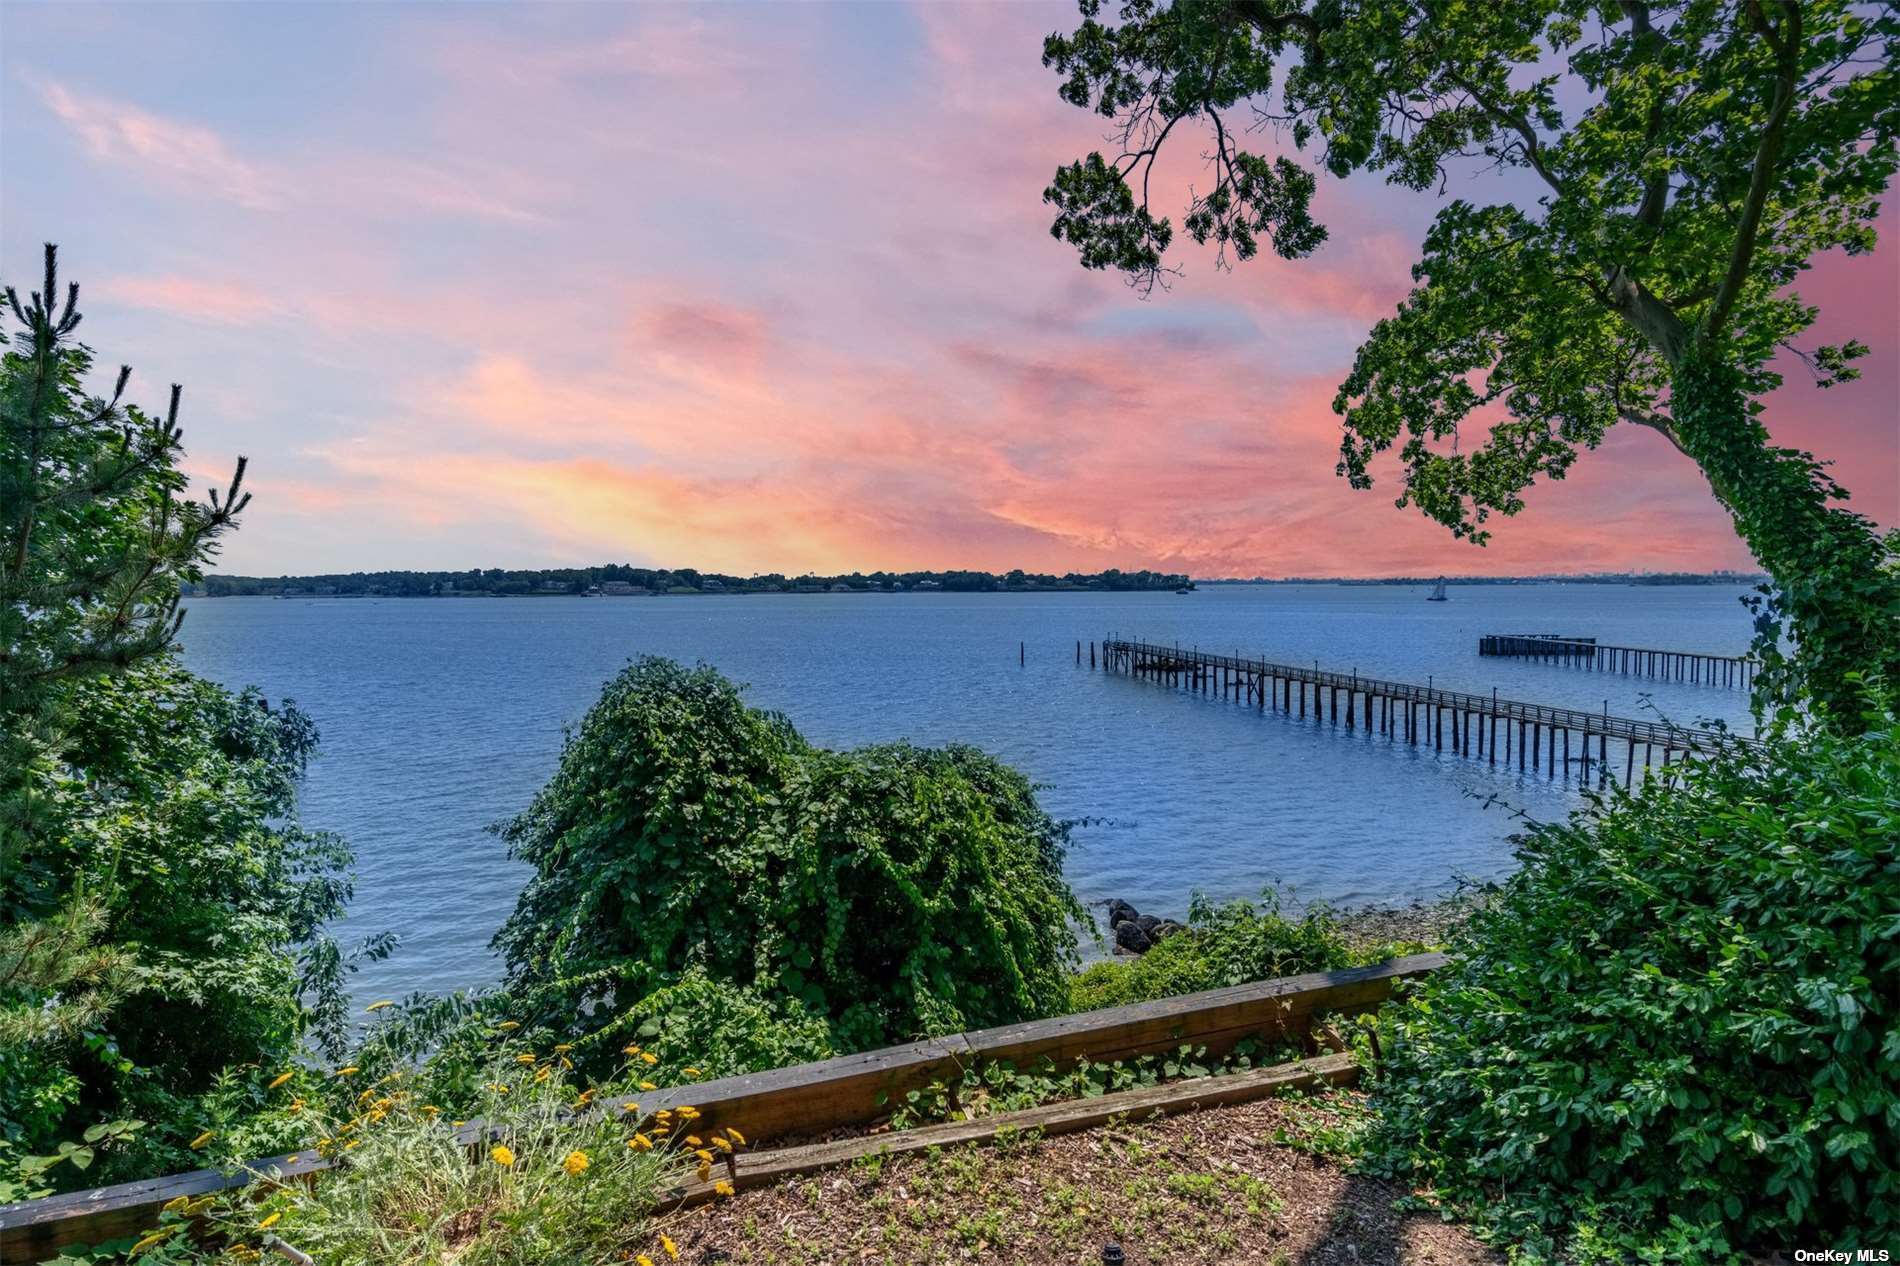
{"x": 1252, "y": 1183}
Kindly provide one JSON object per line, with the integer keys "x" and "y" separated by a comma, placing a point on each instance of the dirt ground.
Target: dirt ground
{"x": 1253, "y": 1183}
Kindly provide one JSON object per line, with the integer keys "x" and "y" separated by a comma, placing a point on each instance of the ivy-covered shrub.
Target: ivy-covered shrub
{"x": 1670, "y": 1036}
{"x": 887, "y": 892}
{"x": 1229, "y": 944}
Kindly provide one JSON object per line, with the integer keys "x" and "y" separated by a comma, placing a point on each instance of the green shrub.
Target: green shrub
{"x": 173, "y": 815}
{"x": 1230, "y": 944}
{"x": 719, "y": 1029}
{"x": 888, "y": 892}
{"x": 1671, "y": 1034}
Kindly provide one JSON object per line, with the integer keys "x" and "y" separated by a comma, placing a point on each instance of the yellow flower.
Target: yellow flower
{"x": 430, "y": 1109}
{"x": 629, "y": 1106}
{"x": 501, "y": 1156}
{"x": 672, "y": 1249}
{"x": 505, "y": 1025}
{"x": 281, "y": 1079}
{"x": 705, "y": 1156}
{"x": 649, "y": 1057}
{"x": 296, "y": 1105}
{"x": 271, "y": 1221}
{"x": 689, "y": 1114}
{"x": 630, "y": 1048}
{"x": 543, "y": 1074}
{"x": 563, "y": 1048}
{"x": 704, "y": 1171}
{"x": 202, "y": 1139}
{"x": 722, "y": 1188}
{"x": 647, "y": 1085}
{"x": 575, "y": 1164}
{"x": 640, "y": 1143}
{"x": 156, "y": 1236}
{"x": 736, "y": 1136}
{"x": 352, "y": 1143}
{"x": 582, "y": 1100}
{"x": 721, "y": 1144}
{"x": 643, "y": 1260}
{"x": 693, "y": 1140}
{"x": 374, "y": 1007}
{"x": 173, "y": 1206}
{"x": 345, "y": 1072}
{"x": 690, "y": 1072}
{"x": 525, "y": 1059}
{"x": 292, "y": 1159}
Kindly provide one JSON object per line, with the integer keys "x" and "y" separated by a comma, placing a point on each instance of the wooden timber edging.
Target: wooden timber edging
{"x": 762, "y": 1169}
{"x": 1425, "y": 714}
{"x": 851, "y": 1090}
{"x": 1696, "y": 668}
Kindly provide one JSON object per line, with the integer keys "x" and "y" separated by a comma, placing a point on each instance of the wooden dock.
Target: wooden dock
{"x": 1693, "y": 667}
{"x": 1423, "y": 715}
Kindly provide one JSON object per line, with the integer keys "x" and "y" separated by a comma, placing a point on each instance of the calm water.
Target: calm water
{"x": 440, "y": 717}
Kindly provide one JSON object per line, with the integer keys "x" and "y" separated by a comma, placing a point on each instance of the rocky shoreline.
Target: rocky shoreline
{"x": 1133, "y": 933}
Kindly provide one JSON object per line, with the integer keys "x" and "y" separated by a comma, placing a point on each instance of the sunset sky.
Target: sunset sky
{"x": 746, "y": 288}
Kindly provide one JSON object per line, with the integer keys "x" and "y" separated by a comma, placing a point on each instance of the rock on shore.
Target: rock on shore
{"x": 1136, "y": 933}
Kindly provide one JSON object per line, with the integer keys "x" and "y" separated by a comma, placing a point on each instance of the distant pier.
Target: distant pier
{"x": 1693, "y": 667}
{"x": 1421, "y": 715}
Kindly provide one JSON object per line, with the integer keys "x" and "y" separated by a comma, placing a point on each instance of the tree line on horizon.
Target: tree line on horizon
{"x": 620, "y": 577}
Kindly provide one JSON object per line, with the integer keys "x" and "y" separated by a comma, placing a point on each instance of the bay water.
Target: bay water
{"x": 441, "y": 717}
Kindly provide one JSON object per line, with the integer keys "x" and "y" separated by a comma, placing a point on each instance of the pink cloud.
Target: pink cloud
{"x": 196, "y": 160}
{"x": 219, "y": 303}
{"x": 194, "y": 156}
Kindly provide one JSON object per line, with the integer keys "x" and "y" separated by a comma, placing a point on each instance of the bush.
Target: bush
{"x": 1671, "y": 1034}
{"x": 172, "y": 814}
{"x": 887, "y": 892}
{"x": 554, "y": 1180}
{"x": 1225, "y": 945}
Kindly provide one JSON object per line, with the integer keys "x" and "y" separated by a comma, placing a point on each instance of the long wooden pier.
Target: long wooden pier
{"x": 1422, "y": 715}
{"x": 1693, "y": 667}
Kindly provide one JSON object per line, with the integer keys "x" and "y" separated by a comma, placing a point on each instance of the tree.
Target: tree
{"x": 1687, "y": 162}
{"x": 95, "y": 538}
{"x": 148, "y": 840}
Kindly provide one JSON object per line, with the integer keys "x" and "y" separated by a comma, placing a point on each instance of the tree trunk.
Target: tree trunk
{"x": 1837, "y": 584}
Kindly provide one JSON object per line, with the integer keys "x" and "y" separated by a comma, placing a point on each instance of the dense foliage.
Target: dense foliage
{"x": 95, "y": 538}
{"x": 1673, "y": 1031}
{"x": 174, "y": 807}
{"x": 1681, "y": 165}
{"x": 1229, "y": 944}
{"x": 889, "y": 891}
{"x": 155, "y": 889}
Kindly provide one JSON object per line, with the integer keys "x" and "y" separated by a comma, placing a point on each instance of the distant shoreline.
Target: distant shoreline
{"x": 643, "y": 583}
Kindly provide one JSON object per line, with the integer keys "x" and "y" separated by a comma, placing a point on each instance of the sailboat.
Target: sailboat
{"x": 1438, "y": 593}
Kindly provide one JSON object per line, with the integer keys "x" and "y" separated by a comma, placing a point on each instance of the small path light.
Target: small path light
{"x": 1112, "y": 1254}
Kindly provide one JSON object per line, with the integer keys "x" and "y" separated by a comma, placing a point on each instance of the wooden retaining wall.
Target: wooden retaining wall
{"x": 850, "y": 1090}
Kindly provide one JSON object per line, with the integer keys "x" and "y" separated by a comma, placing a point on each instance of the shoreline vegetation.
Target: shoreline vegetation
{"x": 621, "y": 581}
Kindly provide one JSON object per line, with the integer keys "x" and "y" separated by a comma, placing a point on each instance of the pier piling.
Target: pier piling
{"x": 1424, "y": 712}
